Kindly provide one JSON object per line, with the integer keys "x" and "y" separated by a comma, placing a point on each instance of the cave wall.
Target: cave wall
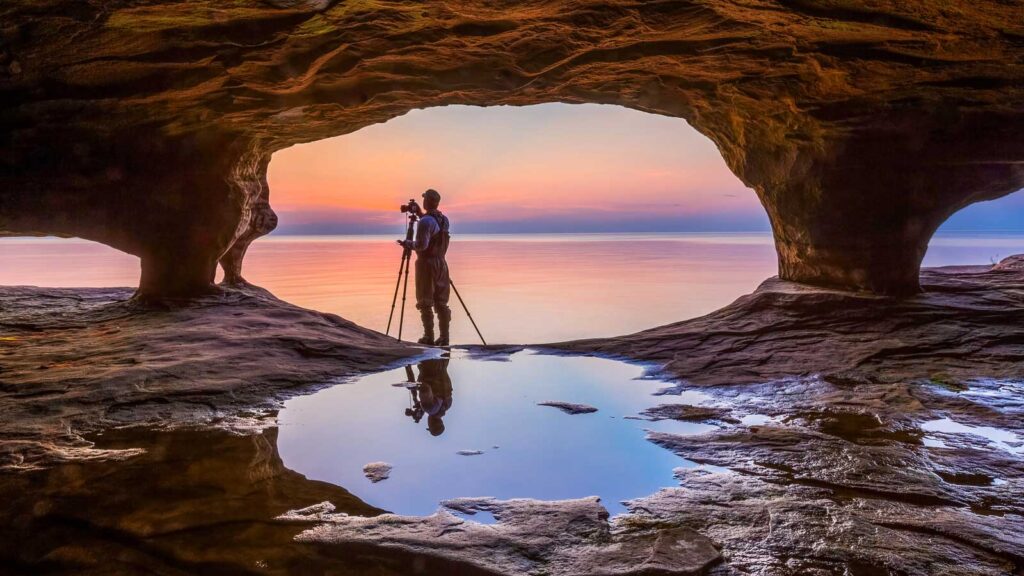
{"x": 860, "y": 124}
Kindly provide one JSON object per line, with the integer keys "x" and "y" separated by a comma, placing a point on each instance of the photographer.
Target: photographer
{"x": 432, "y": 284}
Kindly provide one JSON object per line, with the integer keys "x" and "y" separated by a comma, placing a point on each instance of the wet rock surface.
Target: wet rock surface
{"x": 560, "y": 538}
{"x": 847, "y": 441}
{"x": 687, "y": 413}
{"x": 569, "y": 407}
{"x": 969, "y": 323}
{"x": 843, "y": 478}
{"x": 191, "y": 502}
{"x": 377, "y": 471}
{"x": 74, "y": 361}
{"x": 767, "y": 527}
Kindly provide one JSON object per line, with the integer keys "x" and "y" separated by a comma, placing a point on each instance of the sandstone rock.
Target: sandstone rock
{"x": 967, "y": 325}
{"x": 772, "y": 528}
{"x": 569, "y": 407}
{"x": 377, "y": 471}
{"x": 563, "y": 538}
{"x": 860, "y": 125}
{"x": 687, "y": 413}
{"x": 80, "y": 360}
{"x": 189, "y": 498}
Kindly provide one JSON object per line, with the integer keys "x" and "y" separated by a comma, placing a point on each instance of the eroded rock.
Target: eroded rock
{"x": 80, "y": 360}
{"x": 377, "y": 471}
{"x": 861, "y": 125}
{"x": 569, "y": 407}
{"x": 687, "y": 413}
{"x": 967, "y": 326}
{"x": 562, "y": 538}
{"x": 776, "y": 528}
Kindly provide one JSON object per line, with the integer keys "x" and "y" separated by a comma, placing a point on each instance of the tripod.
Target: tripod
{"x": 404, "y": 265}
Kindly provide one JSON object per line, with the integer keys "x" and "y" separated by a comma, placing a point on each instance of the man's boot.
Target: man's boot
{"x": 444, "y": 317}
{"x": 427, "y": 315}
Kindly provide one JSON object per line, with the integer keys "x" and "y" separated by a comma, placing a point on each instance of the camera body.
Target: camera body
{"x": 411, "y": 207}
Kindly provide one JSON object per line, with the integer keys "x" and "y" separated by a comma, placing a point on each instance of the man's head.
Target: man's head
{"x": 431, "y": 199}
{"x": 435, "y": 425}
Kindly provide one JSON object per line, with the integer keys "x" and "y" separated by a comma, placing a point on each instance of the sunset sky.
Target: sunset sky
{"x": 546, "y": 168}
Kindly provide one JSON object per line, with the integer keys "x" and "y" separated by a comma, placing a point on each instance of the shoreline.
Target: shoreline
{"x": 226, "y": 359}
{"x": 839, "y": 467}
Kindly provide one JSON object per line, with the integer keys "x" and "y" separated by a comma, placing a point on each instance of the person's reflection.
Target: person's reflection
{"x": 432, "y": 395}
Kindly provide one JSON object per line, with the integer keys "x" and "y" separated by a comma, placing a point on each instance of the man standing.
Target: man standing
{"x": 432, "y": 284}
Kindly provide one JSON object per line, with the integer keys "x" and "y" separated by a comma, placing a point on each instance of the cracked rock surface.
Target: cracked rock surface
{"x": 560, "y": 538}
{"x": 852, "y": 435}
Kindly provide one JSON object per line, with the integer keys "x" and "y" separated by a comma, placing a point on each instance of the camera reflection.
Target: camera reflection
{"x": 432, "y": 395}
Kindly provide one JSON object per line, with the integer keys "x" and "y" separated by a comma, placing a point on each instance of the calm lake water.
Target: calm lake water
{"x": 419, "y": 420}
{"x": 520, "y": 288}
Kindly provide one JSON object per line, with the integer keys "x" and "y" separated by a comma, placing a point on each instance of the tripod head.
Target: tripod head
{"x": 410, "y": 229}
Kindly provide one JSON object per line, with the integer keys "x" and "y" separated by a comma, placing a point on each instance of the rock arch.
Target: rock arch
{"x": 860, "y": 124}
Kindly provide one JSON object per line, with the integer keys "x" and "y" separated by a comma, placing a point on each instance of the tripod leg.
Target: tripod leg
{"x": 461, "y": 301}
{"x": 405, "y": 288}
{"x": 398, "y": 282}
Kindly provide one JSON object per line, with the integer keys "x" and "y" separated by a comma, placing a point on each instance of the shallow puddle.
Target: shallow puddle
{"x": 1002, "y": 439}
{"x": 429, "y": 421}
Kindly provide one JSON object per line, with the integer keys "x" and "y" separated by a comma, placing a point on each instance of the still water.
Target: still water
{"x": 520, "y": 288}
{"x": 461, "y": 426}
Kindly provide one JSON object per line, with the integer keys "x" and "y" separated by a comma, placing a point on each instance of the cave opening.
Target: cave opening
{"x": 981, "y": 233}
{"x": 697, "y": 236}
{"x": 600, "y": 215}
{"x": 54, "y": 262}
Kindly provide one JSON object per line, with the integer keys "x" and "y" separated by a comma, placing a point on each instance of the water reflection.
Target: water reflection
{"x": 999, "y": 438}
{"x": 496, "y": 442}
{"x": 526, "y": 288}
{"x": 431, "y": 394}
{"x": 195, "y": 502}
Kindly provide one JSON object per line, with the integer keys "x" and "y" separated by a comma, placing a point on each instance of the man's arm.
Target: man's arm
{"x": 424, "y": 232}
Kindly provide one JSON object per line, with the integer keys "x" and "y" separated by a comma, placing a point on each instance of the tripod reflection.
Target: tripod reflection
{"x": 432, "y": 395}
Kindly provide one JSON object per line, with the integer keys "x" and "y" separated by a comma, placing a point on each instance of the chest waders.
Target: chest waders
{"x": 432, "y": 284}
{"x": 435, "y": 276}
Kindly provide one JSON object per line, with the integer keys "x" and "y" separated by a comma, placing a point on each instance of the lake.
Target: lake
{"x": 521, "y": 288}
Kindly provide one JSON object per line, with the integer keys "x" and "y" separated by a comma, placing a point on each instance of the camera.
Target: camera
{"x": 412, "y": 207}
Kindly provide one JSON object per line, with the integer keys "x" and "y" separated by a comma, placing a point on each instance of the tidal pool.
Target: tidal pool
{"x": 430, "y": 419}
{"x": 1002, "y": 439}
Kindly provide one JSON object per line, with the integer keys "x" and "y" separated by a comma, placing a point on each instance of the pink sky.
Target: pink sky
{"x": 547, "y": 168}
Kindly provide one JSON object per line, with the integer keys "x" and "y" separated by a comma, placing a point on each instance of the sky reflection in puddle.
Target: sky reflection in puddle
{"x": 472, "y": 404}
{"x": 1003, "y": 439}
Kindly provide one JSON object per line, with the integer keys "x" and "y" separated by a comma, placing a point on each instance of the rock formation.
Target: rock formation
{"x": 569, "y": 407}
{"x": 531, "y": 538}
{"x": 200, "y": 502}
{"x": 969, "y": 324}
{"x": 861, "y": 124}
{"x": 75, "y": 361}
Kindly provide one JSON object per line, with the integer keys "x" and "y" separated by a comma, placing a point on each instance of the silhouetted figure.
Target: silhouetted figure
{"x": 432, "y": 395}
{"x": 432, "y": 284}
